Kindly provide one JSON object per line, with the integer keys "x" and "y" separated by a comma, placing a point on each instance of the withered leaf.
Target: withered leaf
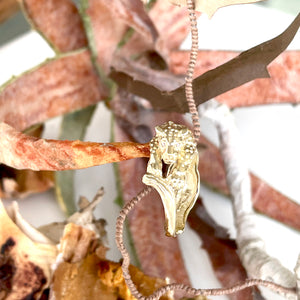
{"x": 97, "y": 278}
{"x": 283, "y": 88}
{"x": 106, "y": 23}
{"x": 249, "y": 65}
{"x": 211, "y": 6}
{"x": 25, "y": 152}
{"x": 58, "y": 21}
{"x": 56, "y": 87}
{"x": 21, "y": 259}
{"x": 221, "y": 250}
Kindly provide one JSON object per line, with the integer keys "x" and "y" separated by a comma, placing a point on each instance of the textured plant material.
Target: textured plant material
{"x": 282, "y": 88}
{"x": 73, "y": 127}
{"x": 58, "y": 21}
{"x": 211, "y": 6}
{"x": 222, "y": 252}
{"x": 265, "y": 199}
{"x": 97, "y": 278}
{"x": 21, "y": 183}
{"x": 249, "y": 65}
{"x": 106, "y": 23}
{"x": 25, "y": 263}
{"x": 7, "y": 9}
{"x": 21, "y": 151}
{"x": 58, "y": 86}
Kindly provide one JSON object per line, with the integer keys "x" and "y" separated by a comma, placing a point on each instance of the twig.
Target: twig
{"x": 251, "y": 247}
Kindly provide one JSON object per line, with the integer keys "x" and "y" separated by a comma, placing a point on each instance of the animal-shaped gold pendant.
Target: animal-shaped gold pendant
{"x": 173, "y": 171}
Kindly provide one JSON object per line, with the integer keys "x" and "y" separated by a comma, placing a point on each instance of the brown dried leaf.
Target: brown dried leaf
{"x": 249, "y": 65}
{"x": 25, "y": 152}
{"x": 25, "y": 264}
{"x": 221, "y": 250}
{"x": 158, "y": 255}
{"x": 106, "y": 23}
{"x": 282, "y": 88}
{"x": 56, "y": 87}
{"x": 97, "y": 278}
{"x": 265, "y": 199}
{"x": 58, "y": 21}
{"x": 211, "y": 6}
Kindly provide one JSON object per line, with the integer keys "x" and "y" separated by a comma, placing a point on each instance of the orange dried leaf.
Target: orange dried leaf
{"x": 282, "y": 88}
{"x": 56, "y": 87}
{"x": 21, "y": 151}
{"x": 58, "y": 21}
{"x": 95, "y": 278}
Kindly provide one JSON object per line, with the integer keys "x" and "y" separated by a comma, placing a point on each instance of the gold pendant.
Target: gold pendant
{"x": 173, "y": 171}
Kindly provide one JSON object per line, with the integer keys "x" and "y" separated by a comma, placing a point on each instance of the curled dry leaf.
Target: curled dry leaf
{"x": 97, "y": 278}
{"x": 58, "y": 21}
{"x": 222, "y": 251}
{"x": 25, "y": 262}
{"x": 211, "y": 6}
{"x": 56, "y": 87}
{"x": 282, "y": 88}
{"x": 106, "y": 23}
{"x": 247, "y": 66}
{"x": 26, "y": 152}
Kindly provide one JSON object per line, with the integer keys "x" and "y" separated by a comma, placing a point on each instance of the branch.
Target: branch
{"x": 251, "y": 247}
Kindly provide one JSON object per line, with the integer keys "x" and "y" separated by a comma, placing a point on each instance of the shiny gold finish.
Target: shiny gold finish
{"x": 173, "y": 171}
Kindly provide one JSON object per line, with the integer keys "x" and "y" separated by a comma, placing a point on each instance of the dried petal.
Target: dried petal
{"x": 58, "y": 86}
{"x": 25, "y": 152}
{"x": 58, "y": 21}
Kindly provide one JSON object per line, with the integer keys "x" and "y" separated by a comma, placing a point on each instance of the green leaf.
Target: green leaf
{"x": 73, "y": 127}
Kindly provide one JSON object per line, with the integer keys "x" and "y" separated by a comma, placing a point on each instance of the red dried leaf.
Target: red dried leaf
{"x": 21, "y": 151}
{"x": 58, "y": 86}
{"x": 283, "y": 86}
{"x": 58, "y": 21}
{"x": 107, "y": 22}
{"x": 221, "y": 250}
{"x": 265, "y": 198}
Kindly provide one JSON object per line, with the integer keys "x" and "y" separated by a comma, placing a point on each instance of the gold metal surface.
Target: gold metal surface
{"x": 173, "y": 171}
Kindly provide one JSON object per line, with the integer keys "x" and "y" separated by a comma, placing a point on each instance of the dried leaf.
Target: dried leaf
{"x": 97, "y": 278}
{"x": 21, "y": 183}
{"x": 158, "y": 255}
{"x": 211, "y": 6}
{"x": 106, "y": 23}
{"x": 7, "y": 9}
{"x": 58, "y": 21}
{"x": 265, "y": 198}
{"x": 73, "y": 127}
{"x": 58, "y": 86}
{"x": 283, "y": 88}
{"x": 247, "y": 66}
{"x": 25, "y": 263}
{"x": 24, "y": 152}
{"x": 221, "y": 250}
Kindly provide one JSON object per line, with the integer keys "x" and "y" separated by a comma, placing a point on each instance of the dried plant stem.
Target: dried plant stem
{"x": 189, "y": 291}
{"x": 190, "y": 72}
{"x": 251, "y": 247}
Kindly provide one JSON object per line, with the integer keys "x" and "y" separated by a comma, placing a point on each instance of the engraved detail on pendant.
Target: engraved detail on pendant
{"x": 173, "y": 171}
